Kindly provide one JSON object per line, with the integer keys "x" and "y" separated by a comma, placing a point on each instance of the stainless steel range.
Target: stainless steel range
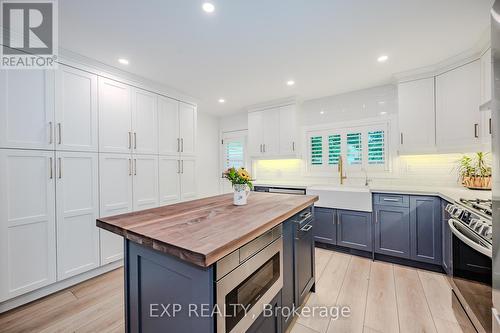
{"x": 471, "y": 225}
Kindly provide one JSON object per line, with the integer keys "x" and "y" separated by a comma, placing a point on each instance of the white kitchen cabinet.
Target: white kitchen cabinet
{"x": 255, "y": 133}
{"x": 271, "y": 132}
{"x": 288, "y": 130}
{"x": 77, "y": 204}
{"x": 144, "y": 122}
{"x": 188, "y": 178}
{"x": 168, "y": 123}
{"x": 145, "y": 181}
{"x": 187, "y": 129}
{"x": 27, "y": 221}
{"x": 76, "y": 116}
{"x": 169, "y": 180}
{"x": 116, "y": 197}
{"x": 458, "y": 120}
{"x": 417, "y": 116}
{"x": 115, "y": 117}
{"x": 486, "y": 72}
{"x": 27, "y": 109}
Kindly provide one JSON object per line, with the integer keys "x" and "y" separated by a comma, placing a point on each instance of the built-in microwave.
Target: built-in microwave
{"x": 247, "y": 279}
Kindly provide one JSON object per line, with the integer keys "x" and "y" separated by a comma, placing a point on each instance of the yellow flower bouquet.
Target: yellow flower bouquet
{"x": 242, "y": 183}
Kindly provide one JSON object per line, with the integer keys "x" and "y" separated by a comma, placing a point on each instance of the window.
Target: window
{"x": 316, "y": 150}
{"x": 234, "y": 154}
{"x": 361, "y": 147}
{"x": 334, "y": 146}
{"x": 376, "y": 147}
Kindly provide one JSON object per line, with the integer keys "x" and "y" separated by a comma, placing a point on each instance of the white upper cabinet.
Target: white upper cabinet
{"x": 168, "y": 121}
{"x": 115, "y": 117}
{"x": 27, "y": 109}
{"x": 273, "y": 132}
{"x": 144, "y": 122}
{"x": 27, "y": 221}
{"x": 169, "y": 179}
{"x": 115, "y": 174}
{"x": 187, "y": 129}
{"x": 188, "y": 178}
{"x": 76, "y": 110}
{"x": 145, "y": 182}
{"x": 288, "y": 130}
{"x": 417, "y": 116}
{"x": 77, "y": 204}
{"x": 458, "y": 121}
{"x": 486, "y": 72}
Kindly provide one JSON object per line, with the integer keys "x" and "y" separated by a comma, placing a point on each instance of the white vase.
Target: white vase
{"x": 241, "y": 193}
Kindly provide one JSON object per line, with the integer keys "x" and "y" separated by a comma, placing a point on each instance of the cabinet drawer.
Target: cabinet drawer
{"x": 397, "y": 200}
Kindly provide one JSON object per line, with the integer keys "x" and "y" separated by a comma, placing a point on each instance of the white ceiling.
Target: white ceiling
{"x": 246, "y": 50}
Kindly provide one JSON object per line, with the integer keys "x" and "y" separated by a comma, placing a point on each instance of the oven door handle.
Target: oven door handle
{"x": 481, "y": 249}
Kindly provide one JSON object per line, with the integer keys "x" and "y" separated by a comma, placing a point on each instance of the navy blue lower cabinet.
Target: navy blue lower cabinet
{"x": 392, "y": 231}
{"x": 447, "y": 246}
{"x": 325, "y": 229}
{"x": 354, "y": 229}
{"x": 425, "y": 224}
{"x": 288, "y": 291}
{"x": 267, "y": 323}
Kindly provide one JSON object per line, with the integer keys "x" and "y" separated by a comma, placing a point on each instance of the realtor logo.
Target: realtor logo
{"x": 29, "y": 34}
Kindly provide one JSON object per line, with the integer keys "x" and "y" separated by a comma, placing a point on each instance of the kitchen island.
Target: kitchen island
{"x": 182, "y": 261}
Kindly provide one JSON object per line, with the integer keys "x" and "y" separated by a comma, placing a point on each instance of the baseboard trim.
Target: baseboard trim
{"x": 55, "y": 287}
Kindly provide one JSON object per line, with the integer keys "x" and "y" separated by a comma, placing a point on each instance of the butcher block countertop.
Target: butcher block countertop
{"x": 205, "y": 230}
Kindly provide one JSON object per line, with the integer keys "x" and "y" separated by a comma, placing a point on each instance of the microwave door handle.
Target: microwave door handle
{"x": 481, "y": 249}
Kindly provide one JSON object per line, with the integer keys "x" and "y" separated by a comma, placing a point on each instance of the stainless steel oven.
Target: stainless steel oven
{"x": 249, "y": 278}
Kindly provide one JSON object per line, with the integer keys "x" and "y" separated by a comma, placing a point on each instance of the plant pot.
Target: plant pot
{"x": 477, "y": 182}
{"x": 241, "y": 193}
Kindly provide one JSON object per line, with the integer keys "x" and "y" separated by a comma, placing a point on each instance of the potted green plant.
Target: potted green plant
{"x": 242, "y": 183}
{"x": 475, "y": 172}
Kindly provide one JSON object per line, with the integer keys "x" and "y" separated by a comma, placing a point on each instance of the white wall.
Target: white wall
{"x": 235, "y": 122}
{"x": 207, "y": 164}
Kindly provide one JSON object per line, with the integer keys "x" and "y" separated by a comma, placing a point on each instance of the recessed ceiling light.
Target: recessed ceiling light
{"x": 208, "y": 7}
{"x": 383, "y": 58}
{"x": 123, "y": 61}
{"x": 322, "y": 112}
{"x": 222, "y": 100}
{"x": 383, "y": 113}
{"x": 290, "y": 82}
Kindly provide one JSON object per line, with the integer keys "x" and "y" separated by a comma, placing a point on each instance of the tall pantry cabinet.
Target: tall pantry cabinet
{"x": 75, "y": 146}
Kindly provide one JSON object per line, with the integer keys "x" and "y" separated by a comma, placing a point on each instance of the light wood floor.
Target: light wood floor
{"x": 383, "y": 298}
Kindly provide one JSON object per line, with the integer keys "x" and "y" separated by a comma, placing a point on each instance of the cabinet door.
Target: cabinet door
{"x": 145, "y": 181}
{"x": 457, "y": 109}
{"x": 392, "y": 231}
{"x": 169, "y": 180}
{"x": 144, "y": 122}
{"x": 27, "y": 109}
{"x": 188, "y": 178}
{"x": 288, "y": 290}
{"x": 325, "y": 228}
{"x": 27, "y": 221}
{"x": 115, "y": 181}
{"x": 304, "y": 263}
{"x": 266, "y": 323}
{"x": 271, "y": 132}
{"x": 354, "y": 229}
{"x": 288, "y": 130}
{"x": 486, "y": 70}
{"x": 76, "y": 110}
{"x": 115, "y": 117}
{"x": 77, "y": 204}
{"x": 187, "y": 121}
{"x": 168, "y": 119}
{"x": 417, "y": 116}
{"x": 255, "y": 133}
{"x": 425, "y": 229}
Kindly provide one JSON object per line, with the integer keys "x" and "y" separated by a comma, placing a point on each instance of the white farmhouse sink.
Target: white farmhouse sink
{"x": 342, "y": 197}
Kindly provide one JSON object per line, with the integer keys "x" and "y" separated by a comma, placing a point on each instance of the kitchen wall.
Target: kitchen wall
{"x": 207, "y": 164}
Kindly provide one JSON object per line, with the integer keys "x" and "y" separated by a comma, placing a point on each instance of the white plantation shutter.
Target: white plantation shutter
{"x": 376, "y": 147}
{"x": 234, "y": 154}
{"x": 334, "y": 149}
{"x": 316, "y": 149}
{"x": 354, "y": 149}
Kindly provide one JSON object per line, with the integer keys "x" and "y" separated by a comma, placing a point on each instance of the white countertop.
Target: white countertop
{"x": 449, "y": 193}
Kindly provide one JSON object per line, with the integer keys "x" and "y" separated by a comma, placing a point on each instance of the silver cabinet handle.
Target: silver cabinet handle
{"x": 182, "y": 145}
{"x": 60, "y": 168}
{"x": 51, "y": 171}
{"x": 401, "y": 140}
{"x": 178, "y": 166}
{"x": 307, "y": 227}
{"x": 391, "y": 199}
{"x": 182, "y": 166}
{"x": 135, "y": 166}
{"x": 264, "y": 148}
{"x": 60, "y": 132}
{"x": 489, "y": 125}
{"x": 178, "y": 145}
{"x": 476, "y": 130}
{"x": 260, "y": 147}
{"x": 130, "y": 167}
{"x": 376, "y": 217}
{"x": 135, "y": 140}
{"x": 51, "y": 130}
{"x": 129, "y": 140}
{"x": 293, "y": 145}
